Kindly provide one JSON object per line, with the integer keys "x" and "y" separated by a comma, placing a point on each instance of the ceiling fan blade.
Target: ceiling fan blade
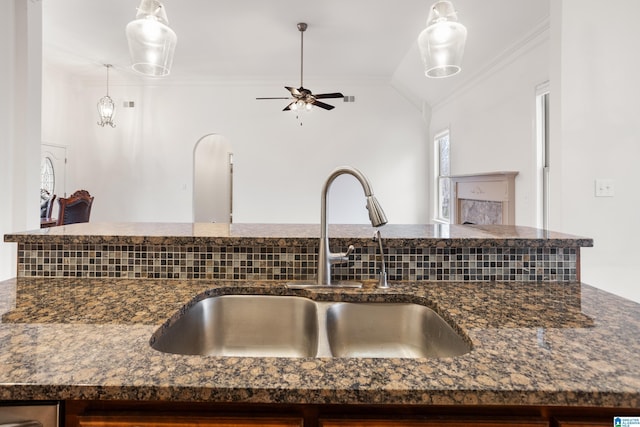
{"x": 323, "y": 105}
{"x": 293, "y": 90}
{"x": 288, "y": 107}
{"x": 276, "y": 98}
{"x": 329, "y": 95}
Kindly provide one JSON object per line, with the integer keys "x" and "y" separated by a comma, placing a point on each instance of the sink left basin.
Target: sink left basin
{"x": 244, "y": 325}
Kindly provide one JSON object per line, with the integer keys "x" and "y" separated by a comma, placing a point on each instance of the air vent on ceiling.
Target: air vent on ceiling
{"x": 349, "y": 99}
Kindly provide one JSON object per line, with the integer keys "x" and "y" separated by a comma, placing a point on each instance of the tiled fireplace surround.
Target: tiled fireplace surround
{"x": 295, "y": 262}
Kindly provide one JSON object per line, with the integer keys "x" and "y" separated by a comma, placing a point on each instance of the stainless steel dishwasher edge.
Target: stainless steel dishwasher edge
{"x": 29, "y": 414}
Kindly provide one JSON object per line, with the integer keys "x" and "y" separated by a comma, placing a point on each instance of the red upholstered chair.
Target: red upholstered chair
{"x": 76, "y": 208}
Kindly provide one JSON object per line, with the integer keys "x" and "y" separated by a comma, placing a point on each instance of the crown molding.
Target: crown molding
{"x": 531, "y": 40}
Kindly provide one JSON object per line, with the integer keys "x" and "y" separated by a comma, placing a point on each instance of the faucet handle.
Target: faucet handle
{"x": 350, "y": 250}
{"x": 340, "y": 257}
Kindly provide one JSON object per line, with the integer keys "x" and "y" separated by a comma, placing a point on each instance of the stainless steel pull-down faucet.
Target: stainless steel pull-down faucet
{"x": 326, "y": 258}
{"x": 376, "y": 215}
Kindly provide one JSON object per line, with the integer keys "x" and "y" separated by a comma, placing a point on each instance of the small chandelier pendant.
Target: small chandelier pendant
{"x": 106, "y": 107}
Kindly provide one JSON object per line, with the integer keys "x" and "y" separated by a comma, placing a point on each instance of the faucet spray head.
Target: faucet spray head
{"x": 376, "y": 214}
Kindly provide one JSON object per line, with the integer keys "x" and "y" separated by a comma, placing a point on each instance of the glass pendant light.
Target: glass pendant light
{"x": 442, "y": 42}
{"x": 151, "y": 41}
{"x": 106, "y": 107}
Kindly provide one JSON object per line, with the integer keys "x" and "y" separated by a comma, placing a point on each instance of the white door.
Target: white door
{"x": 53, "y": 164}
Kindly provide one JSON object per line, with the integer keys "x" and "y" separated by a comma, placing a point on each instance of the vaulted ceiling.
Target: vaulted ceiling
{"x": 257, "y": 40}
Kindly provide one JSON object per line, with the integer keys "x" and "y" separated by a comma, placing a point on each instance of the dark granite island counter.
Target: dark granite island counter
{"x": 246, "y": 234}
{"x": 542, "y": 349}
{"x": 555, "y": 345}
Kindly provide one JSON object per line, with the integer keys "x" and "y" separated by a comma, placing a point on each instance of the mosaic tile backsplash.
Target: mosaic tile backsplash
{"x": 295, "y": 263}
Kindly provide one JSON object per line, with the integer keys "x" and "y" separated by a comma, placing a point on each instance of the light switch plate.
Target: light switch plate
{"x": 605, "y": 188}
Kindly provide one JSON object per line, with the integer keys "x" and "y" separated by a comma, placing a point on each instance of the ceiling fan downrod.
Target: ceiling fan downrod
{"x": 302, "y": 27}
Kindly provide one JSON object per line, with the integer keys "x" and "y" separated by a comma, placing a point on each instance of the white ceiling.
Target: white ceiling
{"x": 257, "y": 40}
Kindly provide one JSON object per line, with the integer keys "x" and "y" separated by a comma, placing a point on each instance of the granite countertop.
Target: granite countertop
{"x": 533, "y": 344}
{"x": 395, "y": 235}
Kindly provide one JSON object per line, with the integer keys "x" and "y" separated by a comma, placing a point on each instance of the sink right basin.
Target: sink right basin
{"x": 393, "y": 330}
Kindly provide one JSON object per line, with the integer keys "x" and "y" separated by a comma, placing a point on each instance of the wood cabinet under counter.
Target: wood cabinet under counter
{"x": 178, "y": 420}
{"x": 175, "y": 414}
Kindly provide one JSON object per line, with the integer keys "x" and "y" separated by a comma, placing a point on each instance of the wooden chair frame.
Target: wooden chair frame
{"x": 76, "y": 208}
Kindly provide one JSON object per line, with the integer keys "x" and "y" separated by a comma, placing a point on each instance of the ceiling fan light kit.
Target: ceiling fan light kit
{"x": 302, "y": 99}
{"x": 152, "y": 42}
{"x": 442, "y": 42}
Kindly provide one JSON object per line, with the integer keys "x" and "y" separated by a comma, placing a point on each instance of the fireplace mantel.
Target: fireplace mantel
{"x": 483, "y": 198}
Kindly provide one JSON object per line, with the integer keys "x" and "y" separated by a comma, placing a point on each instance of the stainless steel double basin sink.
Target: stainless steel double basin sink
{"x": 291, "y": 326}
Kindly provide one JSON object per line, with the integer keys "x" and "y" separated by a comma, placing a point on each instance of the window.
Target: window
{"x": 47, "y": 179}
{"x": 542, "y": 148}
{"x": 442, "y": 168}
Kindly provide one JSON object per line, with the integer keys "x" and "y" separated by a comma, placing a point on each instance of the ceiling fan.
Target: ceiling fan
{"x": 302, "y": 98}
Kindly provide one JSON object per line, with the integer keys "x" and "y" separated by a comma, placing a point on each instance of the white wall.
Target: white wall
{"x": 598, "y": 136}
{"x": 491, "y": 122}
{"x": 279, "y": 166}
{"x": 20, "y": 42}
{"x": 61, "y": 106}
{"x": 591, "y": 63}
{"x": 7, "y": 251}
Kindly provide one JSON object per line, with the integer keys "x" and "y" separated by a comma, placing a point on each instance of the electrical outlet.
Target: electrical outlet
{"x": 605, "y": 188}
